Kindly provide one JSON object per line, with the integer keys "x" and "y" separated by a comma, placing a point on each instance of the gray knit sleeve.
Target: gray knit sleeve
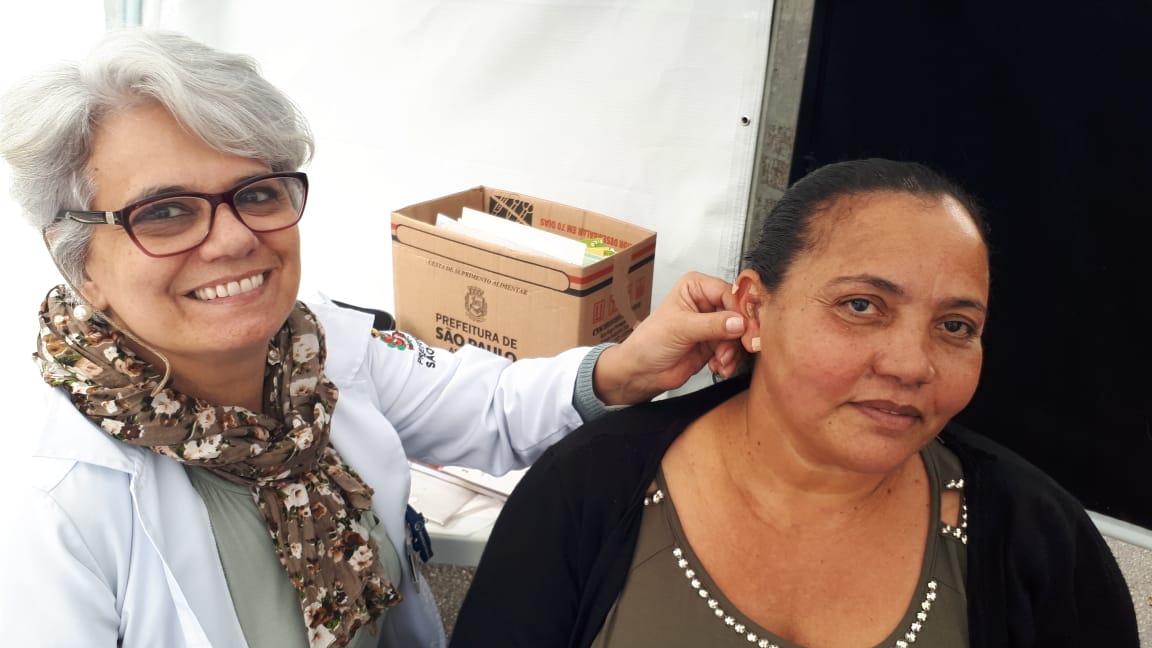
{"x": 584, "y": 399}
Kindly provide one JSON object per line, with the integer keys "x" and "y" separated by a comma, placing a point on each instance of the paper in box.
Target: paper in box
{"x": 452, "y": 290}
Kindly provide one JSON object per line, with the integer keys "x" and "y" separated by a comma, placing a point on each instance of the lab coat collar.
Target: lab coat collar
{"x": 68, "y": 434}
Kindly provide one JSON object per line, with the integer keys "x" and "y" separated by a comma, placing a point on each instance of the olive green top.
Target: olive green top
{"x": 669, "y": 600}
{"x": 266, "y": 603}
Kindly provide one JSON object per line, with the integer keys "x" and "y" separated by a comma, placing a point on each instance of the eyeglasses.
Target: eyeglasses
{"x": 178, "y": 221}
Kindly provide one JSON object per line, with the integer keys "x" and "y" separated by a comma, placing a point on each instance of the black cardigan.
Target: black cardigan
{"x": 1039, "y": 573}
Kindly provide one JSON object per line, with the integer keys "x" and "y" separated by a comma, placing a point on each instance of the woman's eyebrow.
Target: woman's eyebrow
{"x": 149, "y": 192}
{"x": 961, "y": 302}
{"x": 879, "y": 283}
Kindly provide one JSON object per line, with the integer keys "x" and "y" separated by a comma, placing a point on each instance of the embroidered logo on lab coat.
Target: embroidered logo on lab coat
{"x": 425, "y": 355}
{"x": 395, "y": 339}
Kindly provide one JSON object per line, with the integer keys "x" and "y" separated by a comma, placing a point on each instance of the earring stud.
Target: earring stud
{"x": 82, "y": 312}
{"x": 754, "y": 344}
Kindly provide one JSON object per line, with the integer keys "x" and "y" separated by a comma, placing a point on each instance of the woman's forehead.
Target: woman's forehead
{"x": 884, "y": 203}
{"x": 901, "y": 237}
{"x": 882, "y": 214}
{"x": 142, "y": 149}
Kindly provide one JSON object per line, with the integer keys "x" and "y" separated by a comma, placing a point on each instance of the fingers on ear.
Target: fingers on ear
{"x": 750, "y": 295}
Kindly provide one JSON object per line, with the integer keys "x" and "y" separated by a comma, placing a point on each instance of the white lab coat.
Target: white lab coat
{"x": 112, "y": 546}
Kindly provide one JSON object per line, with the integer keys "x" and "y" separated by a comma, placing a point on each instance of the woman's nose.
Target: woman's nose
{"x": 907, "y": 356}
{"x": 228, "y": 236}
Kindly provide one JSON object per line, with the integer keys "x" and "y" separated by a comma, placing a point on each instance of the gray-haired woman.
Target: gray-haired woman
{"x": 219, "y": 464}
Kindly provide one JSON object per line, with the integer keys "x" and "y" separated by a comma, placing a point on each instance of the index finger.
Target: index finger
{"x": 709, "y": 293}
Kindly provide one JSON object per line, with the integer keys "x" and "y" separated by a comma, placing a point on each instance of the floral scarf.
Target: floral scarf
{"x": 311, "y": 501}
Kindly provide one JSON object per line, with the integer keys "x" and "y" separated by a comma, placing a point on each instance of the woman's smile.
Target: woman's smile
{"x": 229, "y": 288}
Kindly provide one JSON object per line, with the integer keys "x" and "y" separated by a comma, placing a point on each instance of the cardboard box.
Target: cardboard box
{"x": 453, "y": 290}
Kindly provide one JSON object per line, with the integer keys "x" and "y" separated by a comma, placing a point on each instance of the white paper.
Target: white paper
{"x": 477, "y": 514}
{"x": 525, "y": 237}
{"x": 452, "y": 225}
{"x": 501, "y": 484}
{"x": 436, "y": 499}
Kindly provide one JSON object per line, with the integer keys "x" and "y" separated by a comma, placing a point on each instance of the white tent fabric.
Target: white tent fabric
{"x": 631, "y": 108}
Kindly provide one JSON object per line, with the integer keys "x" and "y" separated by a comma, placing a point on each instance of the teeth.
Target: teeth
{"x": 230, "y": 289}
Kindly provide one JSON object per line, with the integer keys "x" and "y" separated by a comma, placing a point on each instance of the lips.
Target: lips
{"x": 889, "y": 415}
{"x": 229, "y": 289}
{"x": 888, "y": 407}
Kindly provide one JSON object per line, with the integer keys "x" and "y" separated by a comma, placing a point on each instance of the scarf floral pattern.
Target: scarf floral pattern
{"x": 310, "y": 499}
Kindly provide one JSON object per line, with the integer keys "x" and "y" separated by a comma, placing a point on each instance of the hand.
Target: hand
{"x": 695, "y": 324}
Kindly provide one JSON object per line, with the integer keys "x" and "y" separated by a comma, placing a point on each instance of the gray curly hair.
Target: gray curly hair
{"x": 47, "y": 122}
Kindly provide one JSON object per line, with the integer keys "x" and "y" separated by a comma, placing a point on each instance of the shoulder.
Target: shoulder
{"x": 76, "y": 470}
{"x": 341, "y": 323}
{"x": 1034, "y": 549}
{"x": 1015, "y": 505}
{"x": 623, "y": 448}
{"x": 355, "y": 345}
{"x": 574, "y": 518}
{"x": 75, "y": 464}
{"x": 67, "y": 446}
{"x": 347, "y": 335}
{"x": 68, "y": 488}
{"x": 989, "y": 464}
{"x": 72, "y": 508}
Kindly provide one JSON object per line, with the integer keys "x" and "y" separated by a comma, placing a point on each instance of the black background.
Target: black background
{"x": 1044, "y": 112}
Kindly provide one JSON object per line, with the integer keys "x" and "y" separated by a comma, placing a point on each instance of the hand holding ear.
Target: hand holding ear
{"x": 698, "y": 323}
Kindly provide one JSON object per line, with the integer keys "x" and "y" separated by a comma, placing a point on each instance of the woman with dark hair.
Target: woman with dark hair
{"x": 218, "y": 463}
{"x": 826, "y": 499}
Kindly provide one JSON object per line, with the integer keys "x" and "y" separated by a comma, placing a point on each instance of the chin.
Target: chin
{"x": 233, "y": 335}
{"x": 883, "y": 457}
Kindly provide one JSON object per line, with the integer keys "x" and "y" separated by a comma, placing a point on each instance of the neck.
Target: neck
{"x": 774, "y": 475}
{"x": 224, "y": 379}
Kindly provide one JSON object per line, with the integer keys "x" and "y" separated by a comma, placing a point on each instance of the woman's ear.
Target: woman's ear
{"x": 87, "y": 290}
{"x": 750, "y": 299}
{"x": 90, "y": 292}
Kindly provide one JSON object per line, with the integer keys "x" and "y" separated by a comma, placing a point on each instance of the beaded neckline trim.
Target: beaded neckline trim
{"x": 754, "y": 639}
{"x": 960, "y": 531}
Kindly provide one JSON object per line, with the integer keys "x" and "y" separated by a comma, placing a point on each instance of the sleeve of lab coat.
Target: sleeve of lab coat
{"x": 472, "y": 407}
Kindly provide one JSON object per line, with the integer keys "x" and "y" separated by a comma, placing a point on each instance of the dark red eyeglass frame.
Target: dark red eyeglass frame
{"x": 120, "y": 216}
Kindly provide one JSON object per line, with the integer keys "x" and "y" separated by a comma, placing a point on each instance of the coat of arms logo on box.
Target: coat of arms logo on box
{"x": 475, "y": 304}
